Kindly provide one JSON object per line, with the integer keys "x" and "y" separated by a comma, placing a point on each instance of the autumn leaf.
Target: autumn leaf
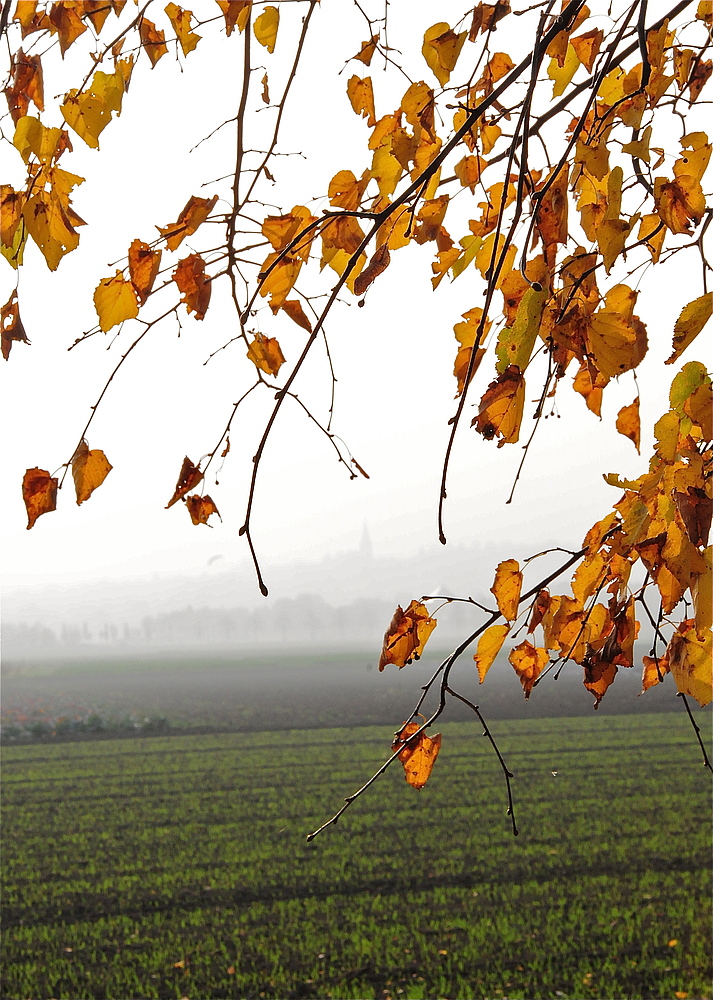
{"x": 265, "y": 27}
{"x": 506, "y": 588}
{"x": 281, "y": 230}
{"x": 441, "y": 48}
{"x": 181, "y": 21}
{"x": 293, "y": 308}
{"x": 466, "y": 334}
{"x": 50, "y": 220}
{"x": 11, "y": 325}
{"x": 66, "y": 22}
{"x": 345, "y": 191}
{"x": 144, "y": 264}
{"x": 416, "y": 753}
{"x": 277, "y": 281}
{"x": 26, "y": 84}
{"x": 188, "y": 478}
{"x": 587, "y": 47}
{"x": 500, "y": 411}
{"x": 680, "y": 202}
{"x": 89, "y": 470}
{"x": 265, "y": 354}
{"x": 690, "y": 658}
{"x": 39, "y": 491}
{"x": 406, "y": 636}
{"x": 528, "y": 662}
{"x": 539, "y": 609}
{"x": 115, "y": 301}
{"x": 366, "y": 52}
{"x": 376, "y": 266}
{"x": 616, "y": 338}
{"x": 90, "y": 112}
{"x": 235, "y": 12}
{"x": 489, "y": 645}
{"x": 629, "y": 424}
{"x": 515, "y": 343}
{"x": 195, "y": 285}
{"x": 194, "y": 214}
{"x": 361, "y": 95}
{"x": 200, "y": 509}
{"x": 153, "y": 40}
{"x": 590, "y": 383}
{"x": 654, "y": 672}
{"x": 689, "y": 324}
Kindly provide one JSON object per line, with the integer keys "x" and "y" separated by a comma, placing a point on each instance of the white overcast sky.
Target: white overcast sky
{"x": 393, "y": 358}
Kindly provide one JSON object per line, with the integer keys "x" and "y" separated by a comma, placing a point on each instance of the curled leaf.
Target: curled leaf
{"x": 376, "y": 266}
{"x": 506, "y": 588}
{"x": 500, "y": 410}
{"x": 407, "y": 635}
{"x": 143, "y": 268}
{"x": 11, "y": 325}
{"x": 39, "y": 491}
{"x": 489, "y": 645}
{"x": 153, "y": 40}
{"x": 416, "y": 753}
{"x": 188, "y": 478}
{"x": 528, "y": 662}
{"x": 196, "y": 286}
{"x": 628, "y": 422}
{"x": 194, "y": 214}
{"x": 89, "y": 470}
{"x": 201, "y": 508}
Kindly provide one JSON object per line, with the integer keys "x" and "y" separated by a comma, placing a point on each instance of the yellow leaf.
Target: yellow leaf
{"x": 690, "y": 657}
{"x": 265, "y": 354}
{"x": 416, "y": 753}
{"x": 89, "y": 470}
{"x": 702, "y": 591}
{"x": 90, "y": 112}
{"x": 489, "y": 645}
{"x": 562, "y": 75}
{"x": 679, "y": 202}
{"x": 515, "y": 343}
{"x": 39, "y": 491}
{"x": 616, "y": 338}
{"x": 265, "y": 27}
{"x": 115, "y": 301}
{"x": 345, "y": 191}
{"x": 506, "y": 588}
{"x": 689, "y": 324}
{"x": 666, "y": 431}
{"x": 31, "y": 136}
{"x": 629, "y": 424}
{"x": 441, "y": 48}
{"x": 528, "y": 662}
{"x": 181, "y": 21}
{"x": 361, "y": 95}
{"x": 588, "y": 577}
{"x": 639, "y": 147}
{"x": 500, "y": 410}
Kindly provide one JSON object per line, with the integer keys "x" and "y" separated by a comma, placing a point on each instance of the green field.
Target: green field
{"x": 178, "y": 867}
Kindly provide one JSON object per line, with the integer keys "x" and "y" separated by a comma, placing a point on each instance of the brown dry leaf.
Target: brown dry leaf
{"x": 696, "y": 510}
{"x": 628, "y": 423}
{"x": 115, "y": 301}
{"x": 89, "y": 470}
{"x": 599, "y": 675}
{"x": 690, "y": 658}
{"x": 235, "y": 13}
{"x": 501, "y": 408}
{"x": 366, "y": 52}
{"x": 39, "y": 491}
{"x": 361, "y": 95}
{"x": 376, "y": 266}
{"x": 689, "y": 324}
{"x": 416, "y": 753}
{"x": 181, "y": 21}
{"x": 200, "y": 509}
{"x": 539, "y": 609}
{"x": 189, "y": 477}
{"x": 528, "y": 661}
{"x": 195, "y": 285}
{"x": 265, "y": 354}
{"x": 265, "y": 27}
{"x": 486, "y": 17}
{"x": 441, "y": 48}
{"x": 66, "y": 22}
{"x": 25, "y": 85}
{"x": 507, "y": 587}
{"x": 700, "y": 76}
{"x": 293, "y": 308}
{"x": 153, "y": 40}
{"x": 11, "y": 325}
{"x": 194, "y": 214}
{"x": 143, "y": 268}
{"x": 552, "y": 215}
{"x": 489, "y": 645}
{"x": 406, "y": 636}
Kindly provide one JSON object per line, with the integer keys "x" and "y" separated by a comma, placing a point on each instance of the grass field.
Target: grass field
{"x": 178, "y": 867}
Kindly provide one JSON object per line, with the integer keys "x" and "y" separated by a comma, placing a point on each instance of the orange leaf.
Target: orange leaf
{"x": 506, "y": 588}
{"x": 143, "y": 268}
{"x": 189, "y": 477}
{"x": 416, "y": 753}
{"x": 194, "y": 214}
{"x": 191, "y": 279}
{"x": 587, "y": 47}
{"x": 25, "y": 85}
{"x": 441, "y": 48}
{"x": 115, "y": 301}
{"x": 235, "y": 12}
{"x": 89, "y": 470}
{"x": 366, "y": 52}
{"x": 200, "y": 509}
{"x": 153, "y": 40}
{"x": 265, "y": 354}
{"x": 181, "y": 21}
{"x": 690, "y": 658}
{"x": 67, "y": 23}
{"x": 489, "y": 645}
{"x": 361, "y": 95}
{"x": 528, "y": 662}
{"x": 345, "y": 191}
{"x": 378, "y": 263}
{"x": 500, "y": 411}
{"x": 39, "y": 491}
{"x": 679, "y": 202}
{"x": 629, "y": 424}
{"x": 293, "y": 308}
{"x": 539, "y": 610}
{"x": 11, "y": 325}
{"x": 654, "y": 672}
{"x": 407, "y": 635}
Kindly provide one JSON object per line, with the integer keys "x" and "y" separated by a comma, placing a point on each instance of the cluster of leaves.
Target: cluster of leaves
{"x": 560, "y": 180}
